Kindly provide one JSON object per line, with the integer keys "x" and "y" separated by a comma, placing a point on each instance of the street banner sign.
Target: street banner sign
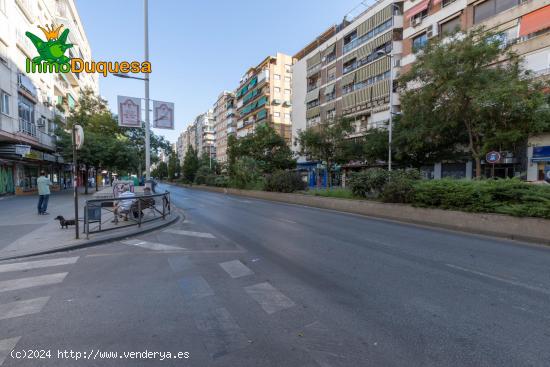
{"x": 492, "y": 157}
{"x": 163, "y": 115}
{"x": 129, "y": 111}
{"x": 78, "y": 136}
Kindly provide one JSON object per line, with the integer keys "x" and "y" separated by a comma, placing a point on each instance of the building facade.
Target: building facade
{"x": 264, "y": 97}
{"x": 225, "y": 123}
{"x": 346, "y": 71}
{"x": 33, "y": 105}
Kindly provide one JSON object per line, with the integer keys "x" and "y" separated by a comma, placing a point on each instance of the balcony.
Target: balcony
{"x": 231, "y": 130}
{"x": 28, "y": 128}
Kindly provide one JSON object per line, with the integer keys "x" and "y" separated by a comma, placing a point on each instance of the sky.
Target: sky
{"x": 198, "y": 48}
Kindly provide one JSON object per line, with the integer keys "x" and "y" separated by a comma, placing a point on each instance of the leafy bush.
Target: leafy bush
{"x": 284, "y": 181}
{"x": 368, "y": 183}
{"x": 371, "y": 182}
{"x": 332, "y": 193}
{"x": 508, "y": 196}
{"x": 246, "y": 174}
{"x": 202, "y": 175}
{"x": 221, "y": 181}
{"x": 398, "y": 190}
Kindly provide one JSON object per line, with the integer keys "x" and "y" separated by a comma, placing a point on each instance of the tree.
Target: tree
{"x": 190, "y": 164}
{"x": 161, "y": 171}
{"x": 265, "y": 146}
{"x": 467, "y": 100}
{"x": 173, "y": 164}
{"x": 327, "y": 142}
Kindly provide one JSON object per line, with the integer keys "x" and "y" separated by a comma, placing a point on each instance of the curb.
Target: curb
{"x": 99, "y": 241}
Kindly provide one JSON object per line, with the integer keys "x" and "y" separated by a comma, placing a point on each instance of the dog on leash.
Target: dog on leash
{"x": 65, "y": 223}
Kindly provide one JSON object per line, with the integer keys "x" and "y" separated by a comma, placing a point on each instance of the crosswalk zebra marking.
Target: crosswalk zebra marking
{"x": 6, "y": 346}
{"x": 152, "y": 246}
{"x": 28, "y": 265}
{"x": 195, "y": 287}
{"x": 21, "y": 283}
{"x": 269, "y": 298}
{"x": 22, "y": 308}
{"x": 236, "y": 269}
{"x": 189, "y": 233}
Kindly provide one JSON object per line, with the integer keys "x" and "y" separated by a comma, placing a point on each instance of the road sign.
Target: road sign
{"x": 78, "y": 136}
{"x": 492, "y": 157}
{"x": 163, "y": 115}
{"x": 129, "y": 111}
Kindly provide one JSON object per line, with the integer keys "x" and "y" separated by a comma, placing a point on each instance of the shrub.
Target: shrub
{"x": 398, "y": 190}
{"x": 202, "y": 175}
{"x": 284, "y": 181}
{"x": 221, "y": 181}
{"x": 368, "y": 183}
{"x": 246, "y": 174}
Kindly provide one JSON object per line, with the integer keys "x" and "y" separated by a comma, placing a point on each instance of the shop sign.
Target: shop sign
{"x": 492, "y": 157}
{"x": 22, "y": 150}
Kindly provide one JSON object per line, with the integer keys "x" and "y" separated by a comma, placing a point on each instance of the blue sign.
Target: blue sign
{"x": 492, "y": 157}
{"x": 543, "y": 151}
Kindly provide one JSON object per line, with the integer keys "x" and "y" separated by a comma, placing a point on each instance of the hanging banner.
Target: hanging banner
{"x": 129, "y": 111}
{"x": 163, "y": 115}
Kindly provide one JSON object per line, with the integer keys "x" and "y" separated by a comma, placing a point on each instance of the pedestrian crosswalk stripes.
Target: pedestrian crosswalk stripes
{"x": 6, "y": 346}
{"x": 28, "y": 265}
{"x": 21, "y": 283}
{"x": 236, "y": 269}
{"x": 269, "y": 298}
{"x": 152, "y": 245}
{"x": 22, "y": 308}
{"x": 190, "y": 233}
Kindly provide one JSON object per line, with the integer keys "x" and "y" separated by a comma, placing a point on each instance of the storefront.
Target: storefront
{"x": 540, "y": 161}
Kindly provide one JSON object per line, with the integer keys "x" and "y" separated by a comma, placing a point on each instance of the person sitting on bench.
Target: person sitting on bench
{"x": 122, "y": 207}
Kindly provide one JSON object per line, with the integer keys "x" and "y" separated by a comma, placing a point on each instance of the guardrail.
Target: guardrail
{"x": 109, "y": 214}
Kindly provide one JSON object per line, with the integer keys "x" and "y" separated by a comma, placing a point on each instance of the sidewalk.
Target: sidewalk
{"x": 24, "y": 232}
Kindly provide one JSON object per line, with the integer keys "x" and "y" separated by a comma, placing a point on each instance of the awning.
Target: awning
{"x": 348, "y": 79}
{"x": 329, "y": 89}
{"x": 329, "y": 50}
{"x": 540, "y": 159}
{"x": 535, "y": 21}
{"x": 312, "y": 61}
{"x": 312, "y": 96}
{"x": 420, "y": 7}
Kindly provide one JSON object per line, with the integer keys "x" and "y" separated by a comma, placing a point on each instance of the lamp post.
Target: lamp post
{"x": 146, "y": 80}
{"x": 390, "y": 127}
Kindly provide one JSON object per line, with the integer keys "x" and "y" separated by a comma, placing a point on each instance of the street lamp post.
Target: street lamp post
{"x": 390, "y": 127}
{"x": 146, "y": 80}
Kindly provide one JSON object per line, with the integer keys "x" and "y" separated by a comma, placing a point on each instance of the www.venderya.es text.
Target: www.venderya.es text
{"x": 95, "y": 354}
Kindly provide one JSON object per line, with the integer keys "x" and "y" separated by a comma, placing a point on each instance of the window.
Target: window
{"x": 419, "y": 42}
{"x": 447, "y": 2}
{"x": 276, "y": 76}
{"x": 331, "y": 73}
{"x": 287, "y": 91}
{"x": 287, "y": 78}
{"x": 26, "y": 110}
{"x": 350, "y": 37}
{"x": 287, "y": 116}
{"x": 331, "y": 114}
{"x": 415, "y": 20}
{"x": 277, "y": 90}
{"x": 451, "y": 26}
{"x": 4, "y": 103}
{"x": 276, "y": 114}
{"x": 490, "y": 8}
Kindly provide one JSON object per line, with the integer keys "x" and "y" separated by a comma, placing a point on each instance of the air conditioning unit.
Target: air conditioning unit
{"x": 417, "y": 21}
{"x": 431, "y": 31}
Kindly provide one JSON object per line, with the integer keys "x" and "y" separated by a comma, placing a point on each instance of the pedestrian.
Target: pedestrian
{"x": 43, "y": 184}
{"x": 123, "y": 207}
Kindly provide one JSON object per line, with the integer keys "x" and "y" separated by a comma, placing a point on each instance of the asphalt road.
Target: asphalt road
{"x": 246, "y": 282}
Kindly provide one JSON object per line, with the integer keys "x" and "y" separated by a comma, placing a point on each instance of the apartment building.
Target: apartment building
{"x": 205, "y": 135}
{"x": 346, "y": 71}
{"x": 522, "y": 24}
{"x": 30, "y": 103}
{"x": 225, "y": 123}
{"x": 264, "y": 97}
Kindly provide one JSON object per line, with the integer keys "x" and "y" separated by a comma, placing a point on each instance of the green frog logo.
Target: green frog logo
{"x": 53, "y": 50}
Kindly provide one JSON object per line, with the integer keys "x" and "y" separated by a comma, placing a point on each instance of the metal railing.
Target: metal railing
{"x": 109, "y": 214}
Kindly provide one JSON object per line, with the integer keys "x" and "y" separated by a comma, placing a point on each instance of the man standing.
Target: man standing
{"x": 43, "y": 184}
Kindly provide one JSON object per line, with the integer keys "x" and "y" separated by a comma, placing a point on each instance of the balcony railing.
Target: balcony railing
{"x": 30, "y": 129}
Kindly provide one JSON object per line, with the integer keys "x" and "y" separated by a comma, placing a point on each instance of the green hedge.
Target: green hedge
{"x": 509, "y": 196}
{"x": 284, "y": 181}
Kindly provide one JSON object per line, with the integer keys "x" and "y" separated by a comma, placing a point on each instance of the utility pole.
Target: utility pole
{"x": 74, "y": 183}
{"x": 147, "y": 127}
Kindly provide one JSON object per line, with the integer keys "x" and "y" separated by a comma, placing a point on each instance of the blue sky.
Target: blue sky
{"x": 199, "y": 48}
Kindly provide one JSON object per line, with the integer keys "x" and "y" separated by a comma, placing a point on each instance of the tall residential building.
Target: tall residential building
{"x": 29, "y": 103}
{"x": 205, "y": 135}
{"x": 346, "y": 71}
{"x": 264, "y": 96}
{"x": 225, "y": 123}
{"x": 523, "y": 24}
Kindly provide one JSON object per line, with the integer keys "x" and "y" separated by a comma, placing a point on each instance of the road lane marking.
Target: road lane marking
{"x": 287, "y": 220}
{"x": 41, "y": 280}
{"x": 236, "y": 269}
{"x": 222, "y": 334}
{"x": 152, "y": 246}
{"x": 195, "y": 287}
{"x": 6, "y": 346}
{"x": 37, "y": 264}
{"x": 22, "y": 308}
{"x": 269, "y": 297}
{"x": 494, "y": 277}
{"x": 189, "y": 233}
{"x": 180, "y": 263}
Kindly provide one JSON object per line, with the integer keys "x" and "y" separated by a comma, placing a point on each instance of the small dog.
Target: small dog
{"x": 65, "y": 223}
